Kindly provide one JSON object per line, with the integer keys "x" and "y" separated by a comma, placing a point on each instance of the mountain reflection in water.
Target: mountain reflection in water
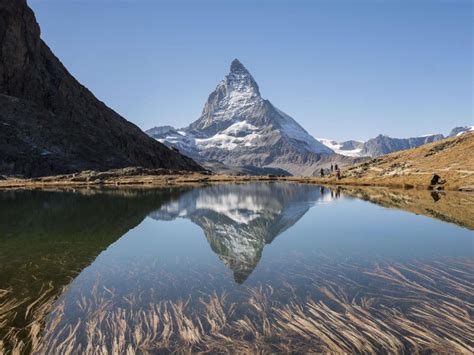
{"x": 239, "y": 220}
{"x": 202, "y": 269}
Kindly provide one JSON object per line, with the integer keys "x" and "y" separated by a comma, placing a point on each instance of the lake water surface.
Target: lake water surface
{"x": 272, "y": 267}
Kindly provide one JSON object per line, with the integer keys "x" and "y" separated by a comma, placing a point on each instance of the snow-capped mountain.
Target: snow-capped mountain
{"x": 457, "y": 131}
{"x": 383, "y": 144}
{"x": 238, "y": 128}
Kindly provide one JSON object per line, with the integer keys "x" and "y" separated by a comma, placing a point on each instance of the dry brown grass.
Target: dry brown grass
{"x": 21, "y": 340}
{"x": 419, "y": 307}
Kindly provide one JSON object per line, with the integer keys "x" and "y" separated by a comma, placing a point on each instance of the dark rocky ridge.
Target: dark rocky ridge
{"x": 50, "y": 123}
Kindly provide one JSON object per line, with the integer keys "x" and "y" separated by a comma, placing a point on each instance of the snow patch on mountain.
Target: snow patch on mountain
{"x": 457, "y": 131}
{"x": 339, "y": 148}
{"x": 238, "y": 134}
{"x": 240, "y": 209}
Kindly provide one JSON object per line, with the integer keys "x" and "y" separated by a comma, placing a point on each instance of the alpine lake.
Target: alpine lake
{"x": 241, "y": 268}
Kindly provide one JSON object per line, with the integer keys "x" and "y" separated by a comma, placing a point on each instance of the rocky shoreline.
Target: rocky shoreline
{"x": 133, "y": 176}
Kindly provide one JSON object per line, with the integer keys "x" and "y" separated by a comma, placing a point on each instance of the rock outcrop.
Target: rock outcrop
{"x": 50, "y": 123}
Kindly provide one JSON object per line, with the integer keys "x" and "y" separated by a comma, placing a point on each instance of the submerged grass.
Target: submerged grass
{"x": 342, "y": 307}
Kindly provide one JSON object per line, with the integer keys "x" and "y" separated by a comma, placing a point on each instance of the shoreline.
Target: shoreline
{"x": 116, "y": 180}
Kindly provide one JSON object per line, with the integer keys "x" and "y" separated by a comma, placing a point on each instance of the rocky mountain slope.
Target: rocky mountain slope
{"x": 50, "y": 123}
{"x": 383, "y": 144}
{"x": 238, "y": 128}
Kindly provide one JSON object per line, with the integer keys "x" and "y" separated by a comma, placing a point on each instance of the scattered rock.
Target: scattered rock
{"x": 435, "y": 179}
{"x": 440, "y": 147}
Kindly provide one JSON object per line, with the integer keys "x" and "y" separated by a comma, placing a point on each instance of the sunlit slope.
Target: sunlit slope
{"x": 452, "y": 159}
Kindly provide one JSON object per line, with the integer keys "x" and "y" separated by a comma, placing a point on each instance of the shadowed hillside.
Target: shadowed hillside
{"x": 50, "y": 123}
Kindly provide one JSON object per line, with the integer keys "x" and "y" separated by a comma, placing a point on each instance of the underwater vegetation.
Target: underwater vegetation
{"x": 326, "y": 306}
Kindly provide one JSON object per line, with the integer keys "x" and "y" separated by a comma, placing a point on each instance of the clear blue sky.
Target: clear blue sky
{"x": 342, "y": 69}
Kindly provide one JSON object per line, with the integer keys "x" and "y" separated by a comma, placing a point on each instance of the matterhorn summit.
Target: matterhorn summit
{"x": 233, "y": 96}
{"x": 240, "y": 130}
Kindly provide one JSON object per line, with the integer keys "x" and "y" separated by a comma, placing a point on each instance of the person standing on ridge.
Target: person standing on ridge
{"x": 332, "y": 168}
{"x": 322, "y": 172}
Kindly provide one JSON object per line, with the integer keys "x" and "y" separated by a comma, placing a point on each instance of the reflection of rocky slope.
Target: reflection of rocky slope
{"x": 238, "y": 220}
{"x": 453, "y": 207}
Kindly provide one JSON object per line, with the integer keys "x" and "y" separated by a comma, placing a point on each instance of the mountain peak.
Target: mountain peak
{"x": 237, "y": 67}
{"x": 240, "y": 81}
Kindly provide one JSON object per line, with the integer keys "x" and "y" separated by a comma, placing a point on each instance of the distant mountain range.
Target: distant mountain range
{"x": 383, "y": 144}
{"x": 50, "y": 123}
{"x": 240, "y": 129}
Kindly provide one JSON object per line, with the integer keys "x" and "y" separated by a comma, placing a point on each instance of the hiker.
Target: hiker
{"x": 338, "y": 174}
{"x": 336, "y": 167}
{"x": 322, "y": 172}
{"x": 332, "y": 168}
